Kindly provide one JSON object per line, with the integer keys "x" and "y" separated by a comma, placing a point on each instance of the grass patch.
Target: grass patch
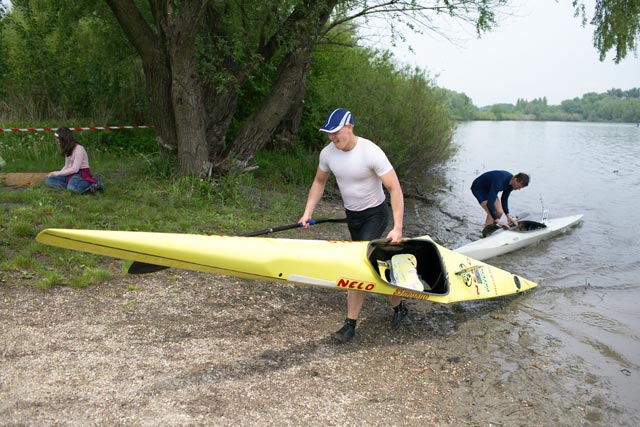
{"x": 90, "y": 277}
{"x": 142, "y": 194}
{"x": 49, "y": 280}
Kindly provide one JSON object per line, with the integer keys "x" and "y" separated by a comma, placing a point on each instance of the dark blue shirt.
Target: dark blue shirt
{"x": 490, "y": 184}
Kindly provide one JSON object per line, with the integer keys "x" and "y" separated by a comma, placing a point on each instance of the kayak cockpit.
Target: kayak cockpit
{"x": 522, "y": 227}
{"x": 413, "y": 264}
{"x": 529, "y": 226}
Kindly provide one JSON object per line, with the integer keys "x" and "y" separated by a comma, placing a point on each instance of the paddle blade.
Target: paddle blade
{"x": 144, "y": 268}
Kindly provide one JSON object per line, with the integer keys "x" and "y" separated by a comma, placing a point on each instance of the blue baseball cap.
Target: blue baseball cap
{"x": 336, "y": 120}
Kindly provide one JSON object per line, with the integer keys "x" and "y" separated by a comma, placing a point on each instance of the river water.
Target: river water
{"x": 589, "y": 295}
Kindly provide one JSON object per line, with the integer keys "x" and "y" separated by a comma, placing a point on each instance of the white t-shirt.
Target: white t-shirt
{"x": 357, "y": 173}
{"x": 73, "y": 163}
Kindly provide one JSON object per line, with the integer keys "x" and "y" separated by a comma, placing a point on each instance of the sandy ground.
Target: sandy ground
{"x": 180, "y": 348}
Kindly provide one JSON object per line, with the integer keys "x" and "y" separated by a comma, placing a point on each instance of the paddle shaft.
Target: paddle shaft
{"x": 138, "y": 267}
{"x": 290, "y": 226}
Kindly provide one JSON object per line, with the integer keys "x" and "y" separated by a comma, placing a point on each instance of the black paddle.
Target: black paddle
{"x": 138, "y": 267}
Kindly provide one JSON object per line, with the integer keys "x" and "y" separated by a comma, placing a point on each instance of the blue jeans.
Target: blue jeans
{"x": 76, "y": 184}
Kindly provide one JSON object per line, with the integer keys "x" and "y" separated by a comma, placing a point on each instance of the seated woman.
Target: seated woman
{"x": 75, "y": 175}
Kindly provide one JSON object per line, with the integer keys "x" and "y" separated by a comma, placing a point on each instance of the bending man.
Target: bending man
{"x": 486, "y": 187}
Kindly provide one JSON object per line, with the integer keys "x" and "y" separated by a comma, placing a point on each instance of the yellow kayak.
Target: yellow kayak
{"x": 432, "y": 273}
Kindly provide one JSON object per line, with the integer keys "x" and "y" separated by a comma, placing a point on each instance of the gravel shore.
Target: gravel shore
{"x": 182, "y": 348}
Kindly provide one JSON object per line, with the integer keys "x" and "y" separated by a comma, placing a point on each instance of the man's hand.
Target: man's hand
{"x": 395, "y": 236}
{"x": 501, "y": 223}
{"x": 304, "y": 220}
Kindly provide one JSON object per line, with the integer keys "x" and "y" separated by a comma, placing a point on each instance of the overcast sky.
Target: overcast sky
{"x": 541, "y": 51}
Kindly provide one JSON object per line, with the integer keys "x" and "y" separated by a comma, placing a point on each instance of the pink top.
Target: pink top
{"x": 73, "y": 163}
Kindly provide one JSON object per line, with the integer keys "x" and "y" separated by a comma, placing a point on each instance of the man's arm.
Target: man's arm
{"x": 505, "y": 207}
{"x": 315, "y": 194}
{"x": 392, "y": 184}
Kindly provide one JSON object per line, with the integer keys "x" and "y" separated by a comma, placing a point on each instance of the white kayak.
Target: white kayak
{"x": 503, "y": 241}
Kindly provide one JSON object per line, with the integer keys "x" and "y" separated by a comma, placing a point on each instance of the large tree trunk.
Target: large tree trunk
{"x": 187, "y": 92}
{"x": 221, "y": 107}
{"x": 156, "y": 67}
{"x": 260, "y": 126}
{"x": 158, "y": 88}
{"x": 290, "y": 85}
{"x": 174, "y": 89}
{"x": 187, "y": 98}
{"x": 287, "y": 131}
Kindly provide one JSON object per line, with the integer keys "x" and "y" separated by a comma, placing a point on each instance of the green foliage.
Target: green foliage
{"x": 33, "y": 151}
{"x": 295, "y": 166}
{"x": 615, "y": 105}
{"x": 617, "y": 26}
{"x": 50, "y": 279}
{"x": 398, "y": 108}
{"x": 65, "y": 59}
{"x": 91, "y": 276}
{"x": 20, "y": 228}
{"x": 497, "y": 111}
{"x": 194, "y": 191}
{"x": 460, "y": 105}
{"x": 242, "y": 48}
{"x": 38, "y": 151}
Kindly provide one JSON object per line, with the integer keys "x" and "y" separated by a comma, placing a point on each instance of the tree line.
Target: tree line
{"x": 615, "y": 105}
{"x": 221, "y": 81}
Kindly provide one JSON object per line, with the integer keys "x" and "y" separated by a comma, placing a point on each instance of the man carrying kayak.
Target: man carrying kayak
{"x": 486, "y": 187}
{"x": 361, "y": 169}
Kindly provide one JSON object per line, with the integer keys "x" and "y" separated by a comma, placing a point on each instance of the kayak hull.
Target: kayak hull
{"x": 340, "y": 265}
{"x": 504, "y": 241}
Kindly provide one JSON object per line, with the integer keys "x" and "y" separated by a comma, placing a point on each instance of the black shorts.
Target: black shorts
{"x": 368, "y": 224}
{"x": 480, "y": 195}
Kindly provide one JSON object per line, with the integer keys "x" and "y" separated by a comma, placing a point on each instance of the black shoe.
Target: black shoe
{"x": 399, "y": 313}
{"x": 94, "y": 188}
{"x": 345, "y": 333}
